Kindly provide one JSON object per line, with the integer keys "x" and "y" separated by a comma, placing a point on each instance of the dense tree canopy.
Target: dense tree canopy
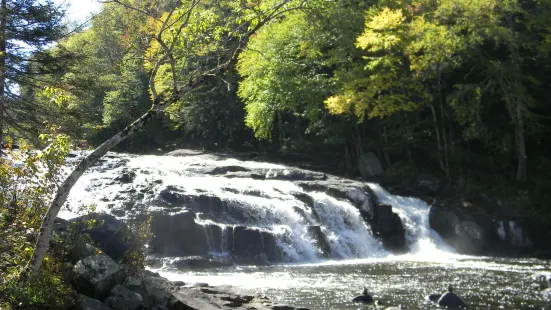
{"x": 442, "y": 85}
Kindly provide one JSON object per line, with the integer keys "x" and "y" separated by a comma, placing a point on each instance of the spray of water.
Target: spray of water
{"x": 423, "y": 241}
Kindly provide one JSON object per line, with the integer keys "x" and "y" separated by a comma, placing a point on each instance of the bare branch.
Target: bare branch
{"x": 129, "y": 7}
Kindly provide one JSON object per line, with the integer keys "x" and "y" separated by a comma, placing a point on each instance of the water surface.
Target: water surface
{"x": 484, "y": 283}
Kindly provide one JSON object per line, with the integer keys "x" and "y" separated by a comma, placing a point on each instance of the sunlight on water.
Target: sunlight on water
{"x": 306, "y": 278}
{"x": 484, "y": 283}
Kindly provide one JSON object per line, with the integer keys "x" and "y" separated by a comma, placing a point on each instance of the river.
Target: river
{"x": 320, "y": 251}
{"x": 483, "y": 282}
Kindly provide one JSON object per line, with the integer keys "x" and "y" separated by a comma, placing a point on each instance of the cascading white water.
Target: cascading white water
{"x": 268, "y": 206}
{"x": 414, "y": 214}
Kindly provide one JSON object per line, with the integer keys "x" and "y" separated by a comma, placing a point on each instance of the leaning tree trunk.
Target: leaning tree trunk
{"x": 42, "y": 243}
{"x": 46, "y": 228}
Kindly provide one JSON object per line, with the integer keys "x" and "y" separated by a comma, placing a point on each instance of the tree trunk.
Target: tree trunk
{"x": 280, "y": 132}
{"x": 45, "y": 233}
{"x": 521, "y": 145}
{"x": 407, "y": 135}
{"x": 381, "y": 143}
{"x": 3, "y": 20}
{"x": 438, "y": 139}
{"x": 42, "y": 243}
{"x": 517, "y": 116}
{"x": 445, "y": 140}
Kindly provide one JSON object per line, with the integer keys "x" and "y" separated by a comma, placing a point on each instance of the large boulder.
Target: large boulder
{"x": 109, "y": 234}
{"x": 156, "y": 291}
{"x": 474, "y": 226}
{"x": 464, "y": 231}
{"x": 80, "y": 250}
{"x": 370, "y": 165}
{"x": 388, "y": 227}
{"x": 96, "y": 275}
{"x": 121, "y": 298}
{"x": 87, "y": 303}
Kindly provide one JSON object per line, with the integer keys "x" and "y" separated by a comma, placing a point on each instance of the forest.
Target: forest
{"x": 456, "y": 89}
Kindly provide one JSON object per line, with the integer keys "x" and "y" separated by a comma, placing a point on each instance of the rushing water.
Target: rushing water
{"x": 308, "y": 278}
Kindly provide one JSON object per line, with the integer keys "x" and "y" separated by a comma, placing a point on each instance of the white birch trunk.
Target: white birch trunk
{"x": 42, "y": 243}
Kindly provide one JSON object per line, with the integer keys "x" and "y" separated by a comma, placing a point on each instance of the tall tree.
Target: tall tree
{"x": 26, "y": 29}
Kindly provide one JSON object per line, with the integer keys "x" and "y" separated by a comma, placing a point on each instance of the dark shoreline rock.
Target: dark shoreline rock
{"x": 98, "y": 278}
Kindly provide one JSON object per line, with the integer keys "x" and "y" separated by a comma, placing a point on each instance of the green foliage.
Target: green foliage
{"x": 288, "y": 65}
{"x": 141, "y": 235}
{"x": 28, "y": 179}
{"x": 27, "y": 28}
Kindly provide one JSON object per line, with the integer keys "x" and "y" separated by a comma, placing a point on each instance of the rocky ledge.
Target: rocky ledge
{"x": 97, "y": 267}
{"x": 102, "y": 284}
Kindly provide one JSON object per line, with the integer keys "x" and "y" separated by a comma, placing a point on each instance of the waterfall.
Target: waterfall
{"x": 268, "y": 219}
{"x": 253, "y": 212}
{"x": 414, "y": 214}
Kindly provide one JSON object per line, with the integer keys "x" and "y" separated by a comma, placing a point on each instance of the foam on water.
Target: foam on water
{"x": 424, "y": 242}
{"x": 273, "y": 207}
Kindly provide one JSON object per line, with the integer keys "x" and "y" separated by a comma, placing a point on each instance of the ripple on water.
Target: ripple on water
{"x": 484, "y": 283}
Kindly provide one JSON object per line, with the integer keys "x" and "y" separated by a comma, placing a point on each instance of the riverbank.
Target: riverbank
{"x": 99, "y": 282}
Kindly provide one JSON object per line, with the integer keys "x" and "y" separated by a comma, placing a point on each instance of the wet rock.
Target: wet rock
{"x": 109, "y": 234}
{"x": 155, "y": 290}
{"x": 365, "y": 298}
{"x": 511, "y": 232}
{"x": 215, "y": 237}
{"x": 87, "y": 303}
{"x": 206, "y": 204}
{"x": 317, "y": 234}
{"x": 171, "y": 196}
{"x": 451, "y": 300}
{"x": 247, "y": 244}
{"x": 271, "y": 250}
{"x": 126, "y": 177}
{"x": 200, "y": 262}
{"x": 96, "y": 275}
{"x": 434, "y": 297}
{"x": 226, "y": 169}
{"x": 370, "y": 165}
{"x": 282, "y": 307}
{"x": 460, "y": 230}
{"x": 304, "y": 198}
{"x": 175, "y": 303}
{"x": 236, "y": 300}
{"x": 387, "y": 225}
{"x": 121, "y": 298}
{"x": 292, "y": 174}
{"x": 177, "y": 234}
